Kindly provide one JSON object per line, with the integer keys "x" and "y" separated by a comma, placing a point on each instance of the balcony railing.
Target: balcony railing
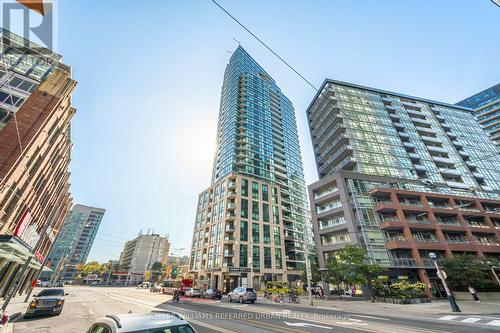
{"x": 399, "y": 238}
{"x": 403, "y": 262}
{"x": 418, "y": 221}
{"x": 406, "y": 202}
{"x": 447, "y": 221}
{"x": 457, "y": 240}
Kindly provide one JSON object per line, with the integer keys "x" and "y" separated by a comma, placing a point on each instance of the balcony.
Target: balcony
{"x": 231, "y": 194}
{"x": 418, "y": 221}
{"x": 434, "y": 149}
{"x": 443, "y": 160}
{"x": 430, "y": 139}
{"x": 232, "y": 185}
{"x": 228, "y": 253}
{"x": 229, "y": 227}
{"x": 451, "y": 221}
{"x": 461, "y": 186}
{"x": 231, "y": 206}
{"x": 410, "y": 202}
{"x": 450, "y": 172}
{"x": 409, "y": 146}
{"x": 414, "y": 156}
{"x": 457, "y": 240}
{"x": 420, "y": 168}
{"x": 403, "y": 262}
{"x": 422, "y": 129}
{"x": 229, "y": 239}
{"x": 230, "y": 216}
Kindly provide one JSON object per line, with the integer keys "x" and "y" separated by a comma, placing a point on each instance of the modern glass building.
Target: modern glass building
{"x": 486, "y": 105}
{"x": 402, "y": 176}
{"x": 73, "y": 245}
{"x": 250, "y": 223}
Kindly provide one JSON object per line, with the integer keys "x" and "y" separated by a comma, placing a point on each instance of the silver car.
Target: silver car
{"x": 155, "y": 321}
{"x": 193, "y": 292}
{"x": 242, "y": 295}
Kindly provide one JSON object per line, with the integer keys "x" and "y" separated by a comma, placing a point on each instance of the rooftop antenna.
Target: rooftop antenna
{"x": 237, "y": 41}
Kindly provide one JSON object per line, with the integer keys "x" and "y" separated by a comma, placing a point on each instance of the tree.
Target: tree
{"x": 156, "y": 270}
{"x": 315, "y": 274}
{"x": 466, "y": 270}
{"x": 351, "y": 266}
{"x": 92, "y": 267}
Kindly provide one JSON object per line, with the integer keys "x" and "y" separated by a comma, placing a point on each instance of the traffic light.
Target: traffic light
{"x": 174, "y": 272}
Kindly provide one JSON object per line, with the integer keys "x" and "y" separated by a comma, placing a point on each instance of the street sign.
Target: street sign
{"x": 239, "y": 269}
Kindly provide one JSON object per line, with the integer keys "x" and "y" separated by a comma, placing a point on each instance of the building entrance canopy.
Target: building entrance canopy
{"x": 13, "y": 249}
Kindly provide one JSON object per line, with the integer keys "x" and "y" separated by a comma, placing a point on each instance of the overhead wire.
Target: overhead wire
{"x": 327, "y": 99}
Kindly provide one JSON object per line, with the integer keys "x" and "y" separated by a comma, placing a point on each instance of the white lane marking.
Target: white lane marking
{"x": 196, "y": 322}
{"x": 494, "y": 323}
{"x": 448, "y": 317}
{"x": 91, "y": 312}
{"x": 84, "y": 304}
{"x": 371, "y": 317}
{"x": 307, "y": 325}
{"x": 470, "y": 320}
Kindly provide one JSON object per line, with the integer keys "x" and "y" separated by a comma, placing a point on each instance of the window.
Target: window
{"x": 100, "y": 328}
{"x": 265, "y": 212}
{"x": 243, "y": 255}
{"x": 267, "y": 257}
{"x": 255, "y": 210}
{"x": 244, "y": 187}
{"x": 256, "y": 257}
{"x": 277, "y": 236}
{"x": 277, "y": 258}
{"x": 276, "y": 216}
{"x": 243, "y": 231}
{"x": 244, "y": 208}
{"x": 255, "y": 190}
{"x": 267, "y": 234}
{"x": 255, "y": 233}
{"x": 265, "y": 192}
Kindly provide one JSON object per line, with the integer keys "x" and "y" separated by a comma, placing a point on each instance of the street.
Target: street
{"x": 85, "y": 304}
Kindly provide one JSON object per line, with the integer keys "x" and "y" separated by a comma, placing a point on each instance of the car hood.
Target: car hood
{"x": 50, "y": 298}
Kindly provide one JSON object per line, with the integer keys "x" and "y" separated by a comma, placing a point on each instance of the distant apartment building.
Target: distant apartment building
{"x": 35, "y": 152}
{"x": 89, "y": 218}
{"x": 74, "y": 242}
{"x": 402, "y": 176}
{"x": 486, "y": 105}
{"x": 139, "y": 255}
{"x": 250, "y": 222}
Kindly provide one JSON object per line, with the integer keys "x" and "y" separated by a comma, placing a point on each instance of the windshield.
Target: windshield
{"x": 51, "y": 292}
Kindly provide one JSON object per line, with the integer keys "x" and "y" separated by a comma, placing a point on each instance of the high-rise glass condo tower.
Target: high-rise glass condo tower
{"x": 250, "y": 223}
{"x": 402, "y": 176}
{"x": 486, "y": 105}
{"x": 71, "y": 250}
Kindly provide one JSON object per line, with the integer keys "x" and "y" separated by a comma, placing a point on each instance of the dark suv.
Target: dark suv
{"x": 212, "y": 294}
{"x": 47, "y": 301}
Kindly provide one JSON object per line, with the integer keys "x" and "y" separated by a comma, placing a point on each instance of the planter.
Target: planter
{"x": 402, "y": 301}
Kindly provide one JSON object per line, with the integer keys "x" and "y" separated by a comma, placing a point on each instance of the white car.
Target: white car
{"x": 193, "y": 292}
{"x": 155, "y": 321}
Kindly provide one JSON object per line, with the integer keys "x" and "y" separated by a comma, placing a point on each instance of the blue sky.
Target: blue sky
{"x": 149, "y": 76}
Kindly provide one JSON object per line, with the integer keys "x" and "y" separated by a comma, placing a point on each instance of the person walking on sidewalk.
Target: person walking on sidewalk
{"x": 473, "y": 292}
{"x": 321, "y": 293}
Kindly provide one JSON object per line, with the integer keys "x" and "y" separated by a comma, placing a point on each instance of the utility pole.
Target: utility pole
{"x": 308, "y": 264}
{"x": 20, "y": 274}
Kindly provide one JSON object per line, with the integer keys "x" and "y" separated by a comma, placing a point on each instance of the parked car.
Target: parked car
{"x": 212, "y": 294}
{"x": 242, "y": 295}
{"x": 155, "y": 321}
{"x": 193, "y": 292}
{"x": 155, "y": 288}
{"x": 47, "y": 301}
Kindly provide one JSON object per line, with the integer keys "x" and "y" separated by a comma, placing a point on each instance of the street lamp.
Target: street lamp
{"x": 490, "y": 264}
{"x": 451, "y": 298}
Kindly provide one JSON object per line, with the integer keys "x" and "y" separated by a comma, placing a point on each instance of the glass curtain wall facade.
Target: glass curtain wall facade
{"x": 486, "y": 105}
{"x": 388, "y": 165}
{"x": 258, "y": 151}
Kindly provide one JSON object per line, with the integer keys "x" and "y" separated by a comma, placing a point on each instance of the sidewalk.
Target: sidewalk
{"x": 15, "y": 308}
{"x": 436, "y": 307}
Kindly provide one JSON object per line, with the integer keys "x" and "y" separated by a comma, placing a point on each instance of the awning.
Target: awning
{"x": 14, "y": 249}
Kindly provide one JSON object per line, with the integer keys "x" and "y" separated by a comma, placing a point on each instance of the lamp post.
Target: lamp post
{"x": 490, "y": 264}
{"x": 451, "y": 298}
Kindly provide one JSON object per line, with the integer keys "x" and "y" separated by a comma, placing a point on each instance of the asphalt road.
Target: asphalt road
{"x": 85, "y": 304}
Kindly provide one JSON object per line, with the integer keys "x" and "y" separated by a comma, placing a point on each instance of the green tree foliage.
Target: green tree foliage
{"x": 93, "y": 267}
{"x": 156, "y": 271}
{"x": 351, "y": 266}
{"x": 466, "y": 270}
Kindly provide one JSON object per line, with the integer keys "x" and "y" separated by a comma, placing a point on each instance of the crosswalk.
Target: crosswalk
{"x": 489, "y": 321}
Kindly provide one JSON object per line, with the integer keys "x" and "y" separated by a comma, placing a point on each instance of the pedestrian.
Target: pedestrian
{"x": 473, "y": 292}
{"x": 321, "y": 293}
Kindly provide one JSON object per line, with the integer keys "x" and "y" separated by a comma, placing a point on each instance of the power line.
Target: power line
{"x": 317, "y": 90}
